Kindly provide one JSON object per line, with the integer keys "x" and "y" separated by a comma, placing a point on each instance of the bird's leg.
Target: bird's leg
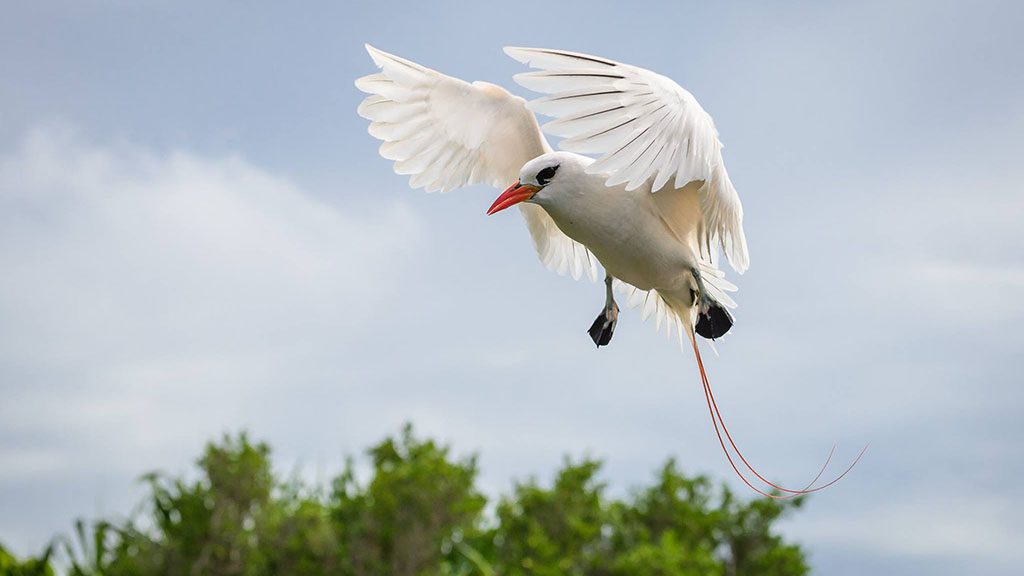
{"x": 602, "y": 328}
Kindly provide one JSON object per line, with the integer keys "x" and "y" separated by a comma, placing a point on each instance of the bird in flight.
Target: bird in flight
{"x": 639, "y": 185}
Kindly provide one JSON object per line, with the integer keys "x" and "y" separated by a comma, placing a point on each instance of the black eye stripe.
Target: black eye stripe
{"x": 545, "y": 175}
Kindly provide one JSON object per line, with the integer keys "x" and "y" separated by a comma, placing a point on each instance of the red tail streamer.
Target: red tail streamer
{"x": 716, "y": 419}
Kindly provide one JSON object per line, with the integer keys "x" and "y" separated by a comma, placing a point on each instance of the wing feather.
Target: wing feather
{"x": 445, "y": 133}
{"x": 645, "y": 129}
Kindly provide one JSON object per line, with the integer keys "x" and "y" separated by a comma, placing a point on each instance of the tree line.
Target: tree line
{"x": 417, "y": 513}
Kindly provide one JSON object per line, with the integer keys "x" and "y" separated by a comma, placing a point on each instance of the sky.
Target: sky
{"x": 197, "y": 236}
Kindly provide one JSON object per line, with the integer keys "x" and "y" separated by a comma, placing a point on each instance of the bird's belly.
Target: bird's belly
{"x": 644, "y": 264}
{"x": 632, "y": 244}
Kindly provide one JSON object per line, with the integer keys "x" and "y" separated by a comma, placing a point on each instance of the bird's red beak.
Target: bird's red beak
{"x": 515, "y": 194}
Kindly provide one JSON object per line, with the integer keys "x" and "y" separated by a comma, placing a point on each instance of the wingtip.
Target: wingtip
{"x": 376, "y": 54}
{"x": 518, "y": 53}
{"x": 385, "y": 59}
{"x": 743, "y": 256}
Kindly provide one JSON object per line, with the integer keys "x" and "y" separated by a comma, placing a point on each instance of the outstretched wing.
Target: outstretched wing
{"x": 446, "y": 133}
{"x": 645, "y": 129}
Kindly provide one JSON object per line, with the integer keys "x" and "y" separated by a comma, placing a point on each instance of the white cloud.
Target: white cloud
{"x": 969, "y": 292}
{"x": 18, "y": 463}
{"x": 146, "y": 290}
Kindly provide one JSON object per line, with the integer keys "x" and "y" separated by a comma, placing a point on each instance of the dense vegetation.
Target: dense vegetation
{"x": 419, "y": 513}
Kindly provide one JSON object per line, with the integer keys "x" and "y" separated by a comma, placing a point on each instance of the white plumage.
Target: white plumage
{"x": 644, "y": 126}
{"x": 648, "y": 133}
{"x": 447, "y": 133}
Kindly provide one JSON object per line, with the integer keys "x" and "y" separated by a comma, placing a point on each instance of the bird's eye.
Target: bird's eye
{"x": 545, "y": 175}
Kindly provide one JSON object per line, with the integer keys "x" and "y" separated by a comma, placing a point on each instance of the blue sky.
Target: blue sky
{"x": 197, "y": 236}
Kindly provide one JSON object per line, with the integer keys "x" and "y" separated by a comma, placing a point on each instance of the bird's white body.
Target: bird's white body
{"x": 629, "y": 231}
{"x": 654, "y": 206}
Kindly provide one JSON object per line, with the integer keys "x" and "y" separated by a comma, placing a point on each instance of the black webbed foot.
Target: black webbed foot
{"x": 604, "y": 326}
{"x": 713, "y": 320}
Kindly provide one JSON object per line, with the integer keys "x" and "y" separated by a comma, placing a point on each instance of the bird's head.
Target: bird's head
{"x": 538, "y": 178}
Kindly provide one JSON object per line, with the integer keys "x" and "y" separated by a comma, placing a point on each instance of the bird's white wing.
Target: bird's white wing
{"x": 446, "y": 133}
{"x": 645, "y": 129}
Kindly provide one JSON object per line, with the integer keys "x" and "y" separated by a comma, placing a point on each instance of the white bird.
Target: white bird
{"x": 653, "y": 208}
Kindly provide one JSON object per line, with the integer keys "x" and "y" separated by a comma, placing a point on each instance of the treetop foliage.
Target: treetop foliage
{"x": 419, "y": 513}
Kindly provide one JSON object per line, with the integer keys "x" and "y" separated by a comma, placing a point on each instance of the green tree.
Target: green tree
{"x": 417, "y": 512}
{"x": 557, "y": 531}
{"x": 11, "y": 566}
{"x": 686, "y": 525}
{"x": 407, "y": 518}
{"x": 297, "y": 535}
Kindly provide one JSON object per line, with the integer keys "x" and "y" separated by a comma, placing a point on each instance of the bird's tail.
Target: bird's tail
{"x": 713, "y": 319}
{"x": 769, "y": 488}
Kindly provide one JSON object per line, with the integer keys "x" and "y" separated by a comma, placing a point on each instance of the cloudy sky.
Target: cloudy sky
{"x": 197, "y": 236}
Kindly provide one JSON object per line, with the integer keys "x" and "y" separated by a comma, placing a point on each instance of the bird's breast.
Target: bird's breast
{"x": 626, "y": 233}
